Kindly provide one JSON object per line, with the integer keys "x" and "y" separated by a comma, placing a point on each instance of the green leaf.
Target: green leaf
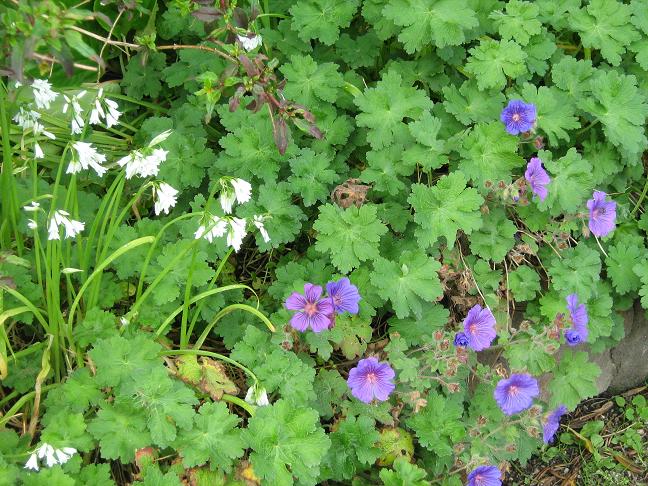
{"x": 143, "y": 74}
{"x": 329, "y": 388}
{"x": 429, "y": 152}
{"x": 214, "y": 438}
{"x": 519, "y": 22}
{"x": 287, "y": 442}
{"x": 361, "y": 51}
{"x": 555, "y": 111}
{"x": 277, "y": 369}
{"x": 408, "y": 283}
{"x": 120, "y": 361}
{"x": 620, "y": 107}
{"x": 524, "y": 283}
{"x": 386, "y": 106}
{"x": 322, "y": 19}
{"x": 312, "y": 177}
{"x": 641, "y": 270}
{"x": 576, "y": 272}
{"x": 349, "y": 235}
{"x": 309, "y": 83}
{"x": 446, "y": 208}
{"x": 491, "y": 62}
{"x": 622, "y": 258}
{"x": 404, "y": 473}
{"x": 385, "y": 170}
{"x": 439, "y": 425}
{"x": 605, "y": 25}
{"x": 96, "y": 325}
{"x": 66, "y": 429}
{"x": 572, "y": 75}
{"x": 529, "y": 355}
{"x": 443, "y": 22}
{"x": 495, "y": 238}
{"x": 353, "y": 444}
{"x": 420, "y": 331}
{"x": 109, "y": 425}
{"x": 469, "y": 105}
{"x": 489, "y": 153}
{"x": 80, "y": 385}
{"x": 574, "y": 380}
{"x": 571, "y": 182}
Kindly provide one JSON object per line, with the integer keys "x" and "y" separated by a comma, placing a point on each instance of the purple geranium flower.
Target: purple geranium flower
{"x": 313, "y": 311}
{"x": 602, "y": 214}
{"x": 518, "y": 116}
{"x": 537, "y": 178}
{"x": 371, "y": 379}
{"x": 479, "y": 328}
{"x": 551, "y": 425}
{"x": 461, "y": 340}
{"x": 516, "y": 393}
{"x": 345, "y": 296}
{"x": 485, "y": 476}
{"x": 578, "y": 315}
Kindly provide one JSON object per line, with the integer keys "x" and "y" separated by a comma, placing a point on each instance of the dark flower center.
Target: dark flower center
{"x": 310, "y": 308}
{"x": 598, "y": 212}
{"x": 371, "y": 377}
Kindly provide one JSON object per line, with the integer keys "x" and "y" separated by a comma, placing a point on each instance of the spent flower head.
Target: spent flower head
{"x": 313, "y": 310}
{"x": 479, "y": 328}
{"x": 371, "y": 379}
{"x": 537, "y": 178}
{"x": 518, "y": 117}
{"x": 516, "y": 393}
{"x": 602, "y": 214}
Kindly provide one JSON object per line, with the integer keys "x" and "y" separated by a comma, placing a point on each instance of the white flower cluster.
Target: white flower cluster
{"x": 27, "y": 119}
{"x": 72, "y": 227}
{"x": 51, "y": 455}
{"x": 250, "y": 43}
{"x": 232, "y": 191}
{"x": 145, "y": 162}
{"x": 85, "y": 156}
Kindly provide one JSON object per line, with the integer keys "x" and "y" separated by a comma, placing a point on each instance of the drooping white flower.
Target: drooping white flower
{"x": 43, "y": 93}
{"x": 86, "y": 156}
{"x": 257, "y": 221}
{"x": 214, "y": 227}
{"x": 64, "y": 455}
{"x": 77, "y": 123}
{"x": 250, "y": 43}
{"x": 32, "y": 462}
{"x": 145, "y": 162}
{"x": 236, "y": 233}
{"x": 104, "y": 108}
{"x": 31, "y": 224}
{"x": 165, "y": 198}
{"x": 72, "y": 227}
{"x": 26, "y": 117}
{"x": 257, "y": 396}
{"x": 51, "y": 455}
{"x": 32, "y": 207}
{"x": 227, "y": 200}
{"x": 38, "y": 151}
{"x": 46, "y": 451}
{"x": 233, "y": 190}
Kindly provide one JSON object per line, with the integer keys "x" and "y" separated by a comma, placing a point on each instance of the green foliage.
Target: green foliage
{"x": 350, "y": 235}
{"x": 286, "y": 442}
{"x": 574, "y": 380}
{"x": 491, "y": 62}
{"x": 439, "y": 426}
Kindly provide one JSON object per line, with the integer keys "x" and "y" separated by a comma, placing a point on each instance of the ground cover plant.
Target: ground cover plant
{"x": 312, "y": 242}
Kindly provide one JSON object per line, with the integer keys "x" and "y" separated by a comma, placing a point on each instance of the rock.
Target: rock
{"x": 630, "y": 356}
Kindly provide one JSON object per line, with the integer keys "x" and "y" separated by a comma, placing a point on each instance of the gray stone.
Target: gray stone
{"x": 630, "y": 357}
